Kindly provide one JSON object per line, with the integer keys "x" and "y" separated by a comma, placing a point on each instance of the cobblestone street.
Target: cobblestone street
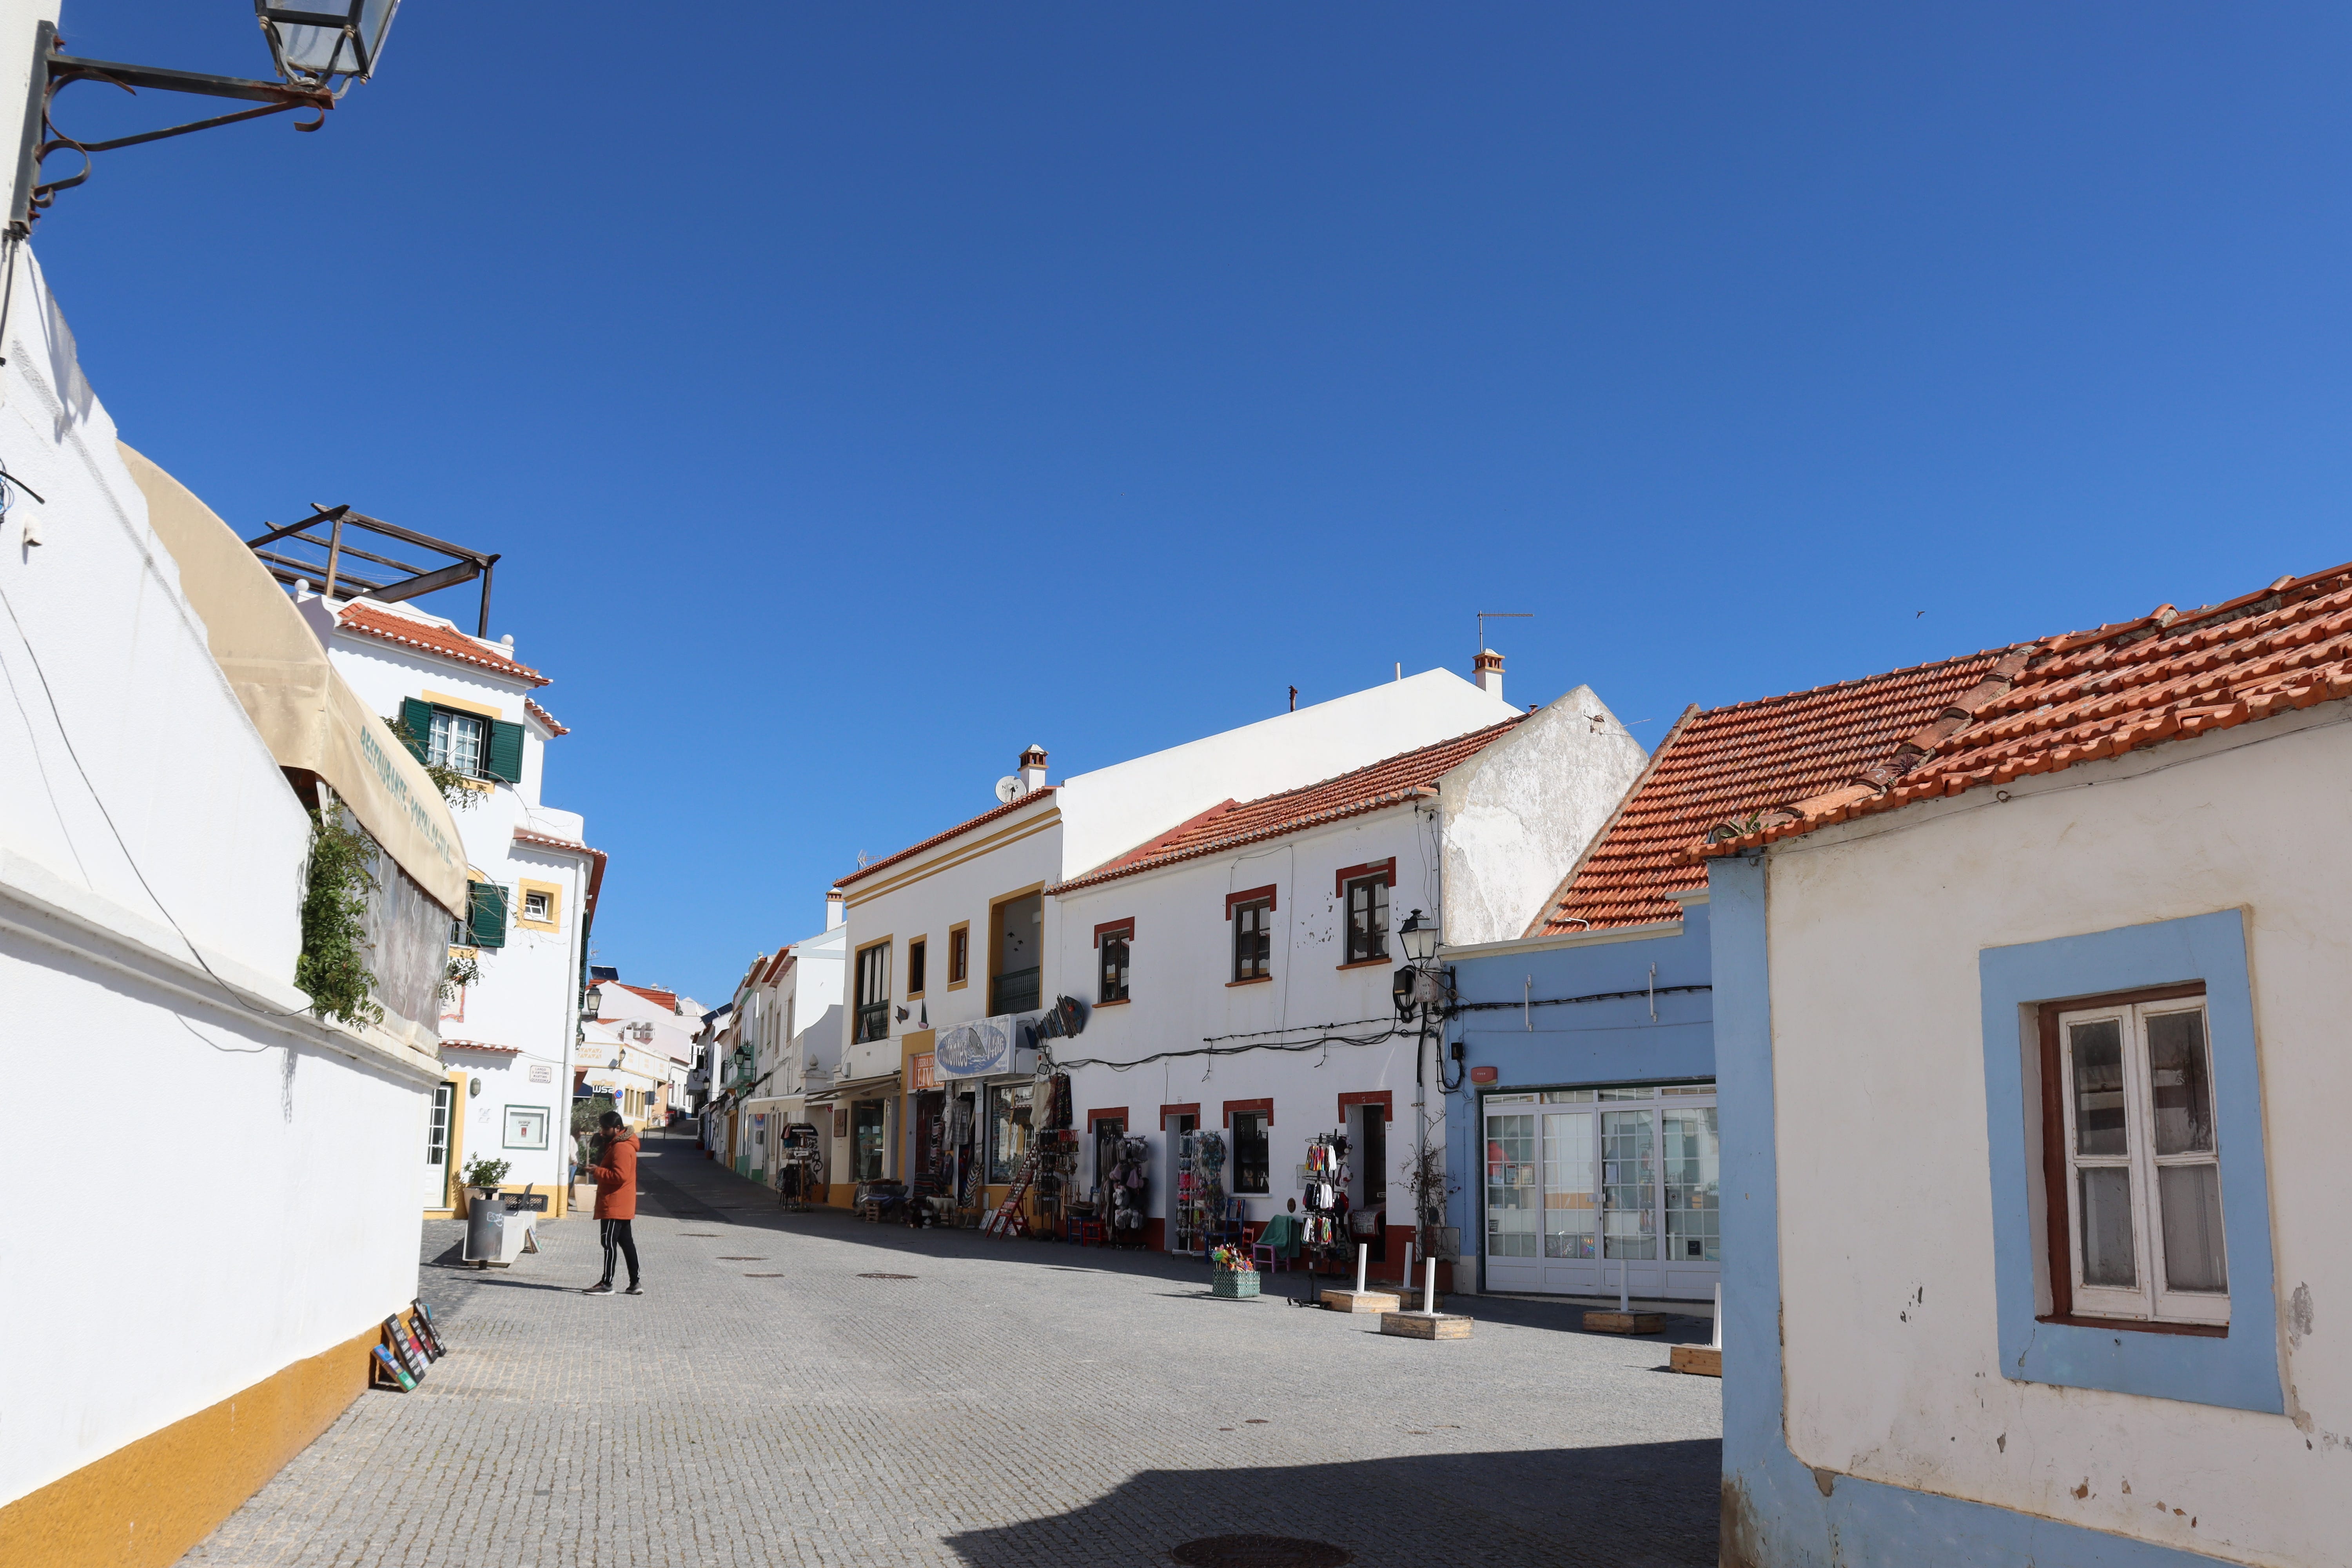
{"x": 811, "y": 1389}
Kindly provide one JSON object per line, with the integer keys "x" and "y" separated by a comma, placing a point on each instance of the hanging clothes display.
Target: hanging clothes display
{"x": 1129, "y": 1184}
{"x": 1324, "y": 1176}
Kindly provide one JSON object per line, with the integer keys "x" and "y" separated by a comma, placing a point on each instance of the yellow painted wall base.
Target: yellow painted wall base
{"x": 144, "y": 1505}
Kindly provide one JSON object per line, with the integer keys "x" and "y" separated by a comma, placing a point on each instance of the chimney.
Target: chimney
{"x": 1489, "y": 667}
{"x": 1033, "y": 770}
{"x": 835, "y": 902}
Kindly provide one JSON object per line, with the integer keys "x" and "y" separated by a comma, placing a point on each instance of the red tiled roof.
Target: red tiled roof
{"x": 660, "y": 998}
{"x": 2117, "y": 688}
{"x": 1007, "y": 809}
{"x": 431, "y": 636}
{"x": 479, "y": 1046}
{"x": 776, "y": 965}
{"x": 1393, "y": 780}
{"x": 547, "y": 720}
{"x": 1723, "y": 764}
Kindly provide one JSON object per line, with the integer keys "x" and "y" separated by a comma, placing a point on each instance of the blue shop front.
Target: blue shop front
{"x": 1581, "y": 1148}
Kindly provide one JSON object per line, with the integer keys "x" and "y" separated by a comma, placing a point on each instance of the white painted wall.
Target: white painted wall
{"x": 236, "y": 1193}
{"x": 1111, "y": 810}
{"x": 1878, "y": 1082}
{"x": 1520, "y": 812}
{"x": 1179, "y": 966}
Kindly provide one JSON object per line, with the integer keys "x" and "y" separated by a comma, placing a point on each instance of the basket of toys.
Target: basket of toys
{"x": 1234, "y": 1275}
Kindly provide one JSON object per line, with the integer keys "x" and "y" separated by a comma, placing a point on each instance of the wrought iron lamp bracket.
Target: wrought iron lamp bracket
{"x": 61, "y": 70}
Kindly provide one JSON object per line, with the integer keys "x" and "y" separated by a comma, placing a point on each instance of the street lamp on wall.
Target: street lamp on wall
{"x": 318, "y": 51}
{"x": 315, "y": 44}
{"x": 1420, "y": 938}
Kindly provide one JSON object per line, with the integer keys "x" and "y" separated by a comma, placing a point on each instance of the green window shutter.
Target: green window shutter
{"x": 418, "y": 716}
{"x": 505, "y": 761}
{"x": 488, "y": 918}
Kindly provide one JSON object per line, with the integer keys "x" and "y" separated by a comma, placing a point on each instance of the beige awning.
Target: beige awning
{"x": 309, "y": 717}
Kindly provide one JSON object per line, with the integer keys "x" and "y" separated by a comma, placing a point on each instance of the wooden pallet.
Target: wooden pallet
{"x": 1425, "y": 1325}
{"x": 1625, "y": 1322}
{"x": 1362, "y": 1300}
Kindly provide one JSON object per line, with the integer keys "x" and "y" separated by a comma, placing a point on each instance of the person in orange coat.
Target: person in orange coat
{"x": 615, "y": 1174}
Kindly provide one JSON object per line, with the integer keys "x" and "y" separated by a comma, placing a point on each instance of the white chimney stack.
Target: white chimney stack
{"x": 1033, "y": 770}
{"x": 1489, "y": 667}
{"x": 836, "y": 903}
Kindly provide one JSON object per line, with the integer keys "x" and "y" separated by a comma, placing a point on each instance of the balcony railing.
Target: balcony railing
{"x": 1014, "y": 991}
{"x": 873, "y": 1022}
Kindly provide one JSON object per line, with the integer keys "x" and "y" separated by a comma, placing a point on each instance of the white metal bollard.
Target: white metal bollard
{"x": 1404, "y": 1275}
{"x": 1429, "y": 1289}
{"x": 1363, "y": 1251}
{"x": 1717, "y": 1342}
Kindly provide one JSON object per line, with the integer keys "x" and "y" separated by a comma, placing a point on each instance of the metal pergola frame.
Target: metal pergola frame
{"x": 330, "y": 577}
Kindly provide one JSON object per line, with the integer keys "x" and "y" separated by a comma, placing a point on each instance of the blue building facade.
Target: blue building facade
{"x": 1582, "y": 1140}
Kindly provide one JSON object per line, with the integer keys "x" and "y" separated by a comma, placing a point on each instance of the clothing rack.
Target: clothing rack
{"x": 1324, "y": 1179}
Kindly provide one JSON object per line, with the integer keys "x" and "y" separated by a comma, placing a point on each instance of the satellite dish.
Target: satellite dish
{"x": 1008, "y": 788}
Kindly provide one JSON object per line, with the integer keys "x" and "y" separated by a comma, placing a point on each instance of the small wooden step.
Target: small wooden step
{"x": 1425, "y": 1325}
{"x": 1625, "y": 1322}
{"x": 1361, "y": 1300}
{"x": 1700, "y": 1360}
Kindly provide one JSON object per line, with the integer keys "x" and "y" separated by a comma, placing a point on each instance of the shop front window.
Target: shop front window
{"x": 1693, "y": 1200}
{"x": 1009, "y": 1111}
{"x": 866, "y": 1151}
{"x": 1511, "y": 1186}
{"x": 1252, "y": 1165}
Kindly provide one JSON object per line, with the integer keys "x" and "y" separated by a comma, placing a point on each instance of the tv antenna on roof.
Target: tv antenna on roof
{"x": 1486, "y": 615}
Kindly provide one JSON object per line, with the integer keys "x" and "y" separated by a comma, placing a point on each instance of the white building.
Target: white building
{"x": 507, "y": 1039}
{"x": 2031, "y": 1047}
{"x": 232, "y": 1216}
{"x": 786, "y": 1031}
{"x": 956, "y": 928}
{"x": 659, "y": 1028}
{"x": 1238, "y": 967}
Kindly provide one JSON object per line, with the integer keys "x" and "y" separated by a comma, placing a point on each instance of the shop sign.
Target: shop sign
{"x": 975, "y": 1049}
{"x": 922, "y": 1073}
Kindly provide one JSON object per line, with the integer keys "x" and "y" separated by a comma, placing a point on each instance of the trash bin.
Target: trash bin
{"x": 486, "y": 1222}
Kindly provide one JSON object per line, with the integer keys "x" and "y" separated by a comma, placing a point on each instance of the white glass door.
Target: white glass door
{"x": 1584, "y": 1186}
{"x": 436, "y": 1148}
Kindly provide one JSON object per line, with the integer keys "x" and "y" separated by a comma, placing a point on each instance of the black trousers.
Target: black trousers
{"x": 617, "y": 1238}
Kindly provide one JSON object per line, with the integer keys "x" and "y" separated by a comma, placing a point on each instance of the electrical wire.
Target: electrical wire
{"x": 1210, "y": 1049}
{"x": 1572, "y": 1001}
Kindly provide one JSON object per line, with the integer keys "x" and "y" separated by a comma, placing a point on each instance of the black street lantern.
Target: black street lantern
{"x": 1420, "y": 938}
{"x": 314, "y": 44}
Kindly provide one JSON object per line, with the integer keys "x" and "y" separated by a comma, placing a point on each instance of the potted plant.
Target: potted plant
{"x": 482, "y": 1177}
{"x": 1235, "y": 1276}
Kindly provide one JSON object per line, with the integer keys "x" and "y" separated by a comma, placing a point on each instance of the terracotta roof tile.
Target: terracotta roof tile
{"x": 482, "y": 1047}
{"x": 597, "y": 861}
{"x": 1231, "y": 823}
{"x": 1726, "y": 764}
{"x": 1007, "y": 809}
{"x": 659, "y": 997}
{"x": 431, "y": 636}
{"x": 547, "y": 720}
{"x": 2121, "y": 687}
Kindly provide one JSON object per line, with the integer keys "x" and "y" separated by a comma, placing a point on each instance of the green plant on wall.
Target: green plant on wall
{"x": 333, "y": 967}
{"x": 484, "y": 1172}
{"x": 464, "y": 968}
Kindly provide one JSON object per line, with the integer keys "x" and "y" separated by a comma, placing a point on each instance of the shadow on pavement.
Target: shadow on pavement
{"x": 1623, "y": 1506}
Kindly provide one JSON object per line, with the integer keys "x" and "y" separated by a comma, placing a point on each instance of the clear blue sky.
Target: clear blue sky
{"x": 859, "y": 393}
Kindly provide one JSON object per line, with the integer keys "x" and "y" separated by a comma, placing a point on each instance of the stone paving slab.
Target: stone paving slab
{"x": 1015, "y": 1403}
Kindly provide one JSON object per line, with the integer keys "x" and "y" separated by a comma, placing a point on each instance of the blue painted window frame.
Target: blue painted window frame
{"x": 2239, "y": 1372}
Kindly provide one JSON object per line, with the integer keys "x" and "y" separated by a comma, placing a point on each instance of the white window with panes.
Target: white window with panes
{"x": 455, "y": 743}
{"x": 1582, "y": 1186}
{"x": 2138, "y": 1208}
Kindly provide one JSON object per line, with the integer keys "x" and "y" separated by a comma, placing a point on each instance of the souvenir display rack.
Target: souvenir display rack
{"x": 1324, "y": 1178}
{"x": 1200, "y": 1188}
{"x": 1129, "y": 1184}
